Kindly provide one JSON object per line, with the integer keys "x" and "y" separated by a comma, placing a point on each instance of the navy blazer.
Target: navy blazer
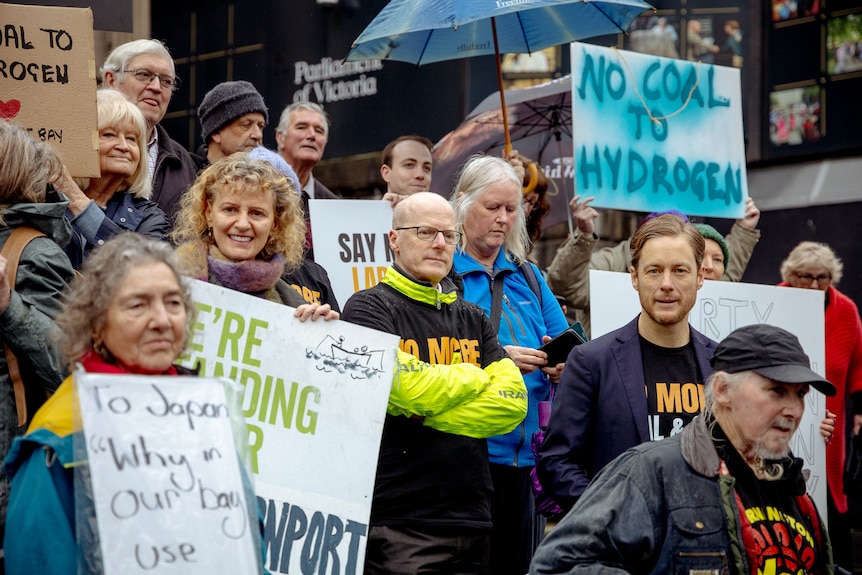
{"x": 600, "y": 410}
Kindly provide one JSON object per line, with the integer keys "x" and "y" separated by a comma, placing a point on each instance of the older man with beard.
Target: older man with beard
{"x": 724, "y": 496}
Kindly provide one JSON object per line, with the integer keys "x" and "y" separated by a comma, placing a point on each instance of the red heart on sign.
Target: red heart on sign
{"x": 9, "y": 109}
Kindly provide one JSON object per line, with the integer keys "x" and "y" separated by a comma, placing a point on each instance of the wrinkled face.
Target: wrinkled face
{"x": 763, "y": 416}
{"x": 119, "y": 153}
{"x": 422, "y": 260}
{"x": 812, "y": 276}
{"x": 667, "y": 279}
{"x": 151, "y": 98}
{"x": 713, "y": 261}
{"x": 241, "y": 221}
{"x": 242, "y": 135}
{"x": 410, "y": 171}
{"x": 304, "y": 139}
{"x": 145, "y": 323}
{"x": 492, "y": 217}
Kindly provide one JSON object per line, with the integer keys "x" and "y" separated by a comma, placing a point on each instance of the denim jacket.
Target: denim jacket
{"x": 661, "y": 507}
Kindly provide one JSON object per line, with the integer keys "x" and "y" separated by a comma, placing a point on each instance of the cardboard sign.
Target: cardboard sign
{"x": 654, "y": 134}
{"x": 166, "y": 481}
{"x": 721, "y": 307}
{"x": 48, "y": 80}
{"x": 351, "y": 241}
{"x": 315, "y": 396}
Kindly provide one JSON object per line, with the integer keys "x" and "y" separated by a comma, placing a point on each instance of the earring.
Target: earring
{"x": 209, "y": 233}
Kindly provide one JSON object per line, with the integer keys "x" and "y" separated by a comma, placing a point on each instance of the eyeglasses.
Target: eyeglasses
{"x": 531, "y": 204}
{"x": 427, "y": 234}
{"x": 145, "y": 76}
{"x": 806, "y": 279}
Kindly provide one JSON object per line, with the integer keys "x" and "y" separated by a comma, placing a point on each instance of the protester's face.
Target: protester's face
{"x": 242, "y": 135}
{"x": 530, "y": 202}
{"x": 492, "y": 217}
{"x": 410, "y": 171}
{"x": 304, "y": 139}
{"x": 812, "y": 276}
{"x": 119, "y": 153}
{"x": 713, "y": 261}
{"x": 151, "y": 98}
{"x": 422, "y": 260}
{"x": 241, "y": 221}
{"x": 145, "y": 323}
{"x": 667, "y": 279}
{"x": 763, "y": 415}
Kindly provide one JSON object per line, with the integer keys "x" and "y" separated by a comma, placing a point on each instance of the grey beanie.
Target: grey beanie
{"x": 227, "y": 102}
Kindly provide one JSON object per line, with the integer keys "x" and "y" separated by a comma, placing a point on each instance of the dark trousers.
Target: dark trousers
{"x": 517, "y": 529}
{"x": 397, "y": 550}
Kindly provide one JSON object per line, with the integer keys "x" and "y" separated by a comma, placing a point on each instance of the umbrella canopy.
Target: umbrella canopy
{"x": 426, "y": 31}
{"x": 540, "y": 125}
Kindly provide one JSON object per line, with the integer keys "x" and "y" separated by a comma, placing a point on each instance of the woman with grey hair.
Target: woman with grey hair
{"x": 117, "y": 201}
{"x": 489, "y": 213}
{"x": 813, "y": 265}
{"x": 130, "y": 312}
{"x": 28, "y": 308}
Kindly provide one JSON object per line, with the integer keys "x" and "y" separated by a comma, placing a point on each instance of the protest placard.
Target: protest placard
{"x": 48, "y": 80}
{"x": 654, "y": 134}
{"x": 166, "y": 482}
{"x": 351, "y": 241}
{"x": 720, "y": 308}
{"x": 314, "y": 401}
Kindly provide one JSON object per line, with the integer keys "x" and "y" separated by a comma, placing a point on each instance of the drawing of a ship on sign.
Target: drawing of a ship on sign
{"x": 336, "y": 355}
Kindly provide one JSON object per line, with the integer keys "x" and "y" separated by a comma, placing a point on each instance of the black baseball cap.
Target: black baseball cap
{"x": 769, "y": 351}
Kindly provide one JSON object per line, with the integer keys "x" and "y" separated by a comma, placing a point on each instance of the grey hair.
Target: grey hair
{"x": 812, "y": 254}
{"x": 116, "y": 111}
{"x": 27, "y": 167}
{"x": 284, "y": 119}
{"x": 119, "y": 57}
{"x": 87, "y": 299}
{"x": 479, "y": 173}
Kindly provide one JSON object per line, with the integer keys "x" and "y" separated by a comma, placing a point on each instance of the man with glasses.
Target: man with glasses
{"x": 453, "y": 387}
{"x": 813, "y": 265}
{"x": 143, "y": 70}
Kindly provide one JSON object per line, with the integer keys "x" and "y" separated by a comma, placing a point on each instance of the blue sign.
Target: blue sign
{"x": 654, "y": 134}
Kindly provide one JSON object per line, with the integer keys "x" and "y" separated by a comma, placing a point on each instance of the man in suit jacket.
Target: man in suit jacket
{"x": 641, "y": 382}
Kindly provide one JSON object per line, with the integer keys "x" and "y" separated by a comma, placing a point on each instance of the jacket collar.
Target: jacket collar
{"x": 697, "y": 448}
{"x": 465, "y": 263}
{"x": 423, "y": 292}
{"x": 49, "y": 218}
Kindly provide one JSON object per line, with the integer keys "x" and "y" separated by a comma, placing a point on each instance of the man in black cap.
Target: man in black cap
{"x": 233, "y": 116}
{"x": 724, "y": 496}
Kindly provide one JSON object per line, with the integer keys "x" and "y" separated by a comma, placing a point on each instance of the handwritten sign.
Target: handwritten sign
{"x": 167, "y": 486}
{"x": 655, "y": 133}
{"x": 721, "y": 307}
{"x": 314, "y": 401}
{"x": 48, "y": 80}
{"x": 351, "y": 240}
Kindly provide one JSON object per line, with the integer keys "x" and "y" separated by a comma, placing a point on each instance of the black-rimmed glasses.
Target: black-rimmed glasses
{"x": 806, "y": 279}
{"x": 145, "y": 76}
{"x": 428, "y": 234}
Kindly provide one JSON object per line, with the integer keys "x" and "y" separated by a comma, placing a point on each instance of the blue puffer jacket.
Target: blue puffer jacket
{"x": 523, "y": 322}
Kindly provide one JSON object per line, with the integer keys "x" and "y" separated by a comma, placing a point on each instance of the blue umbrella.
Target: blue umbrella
{"x": 426, "y": 31}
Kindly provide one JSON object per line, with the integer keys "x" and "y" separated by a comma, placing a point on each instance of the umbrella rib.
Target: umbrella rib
{"x": 606, "y": 15}
{"x": 424, "y": 47}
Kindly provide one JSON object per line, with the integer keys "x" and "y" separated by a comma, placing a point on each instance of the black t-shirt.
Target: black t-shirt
{"x": 784, "y": 539}
{"x": 674, "y": 387}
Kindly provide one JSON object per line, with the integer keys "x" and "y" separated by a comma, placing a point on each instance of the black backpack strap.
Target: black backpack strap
{"x": 496, "y": 302}
{"x": 532, "y": 281}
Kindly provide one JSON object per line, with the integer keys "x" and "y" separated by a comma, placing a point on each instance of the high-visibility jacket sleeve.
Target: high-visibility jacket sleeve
{"x": 498, "y": 409}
